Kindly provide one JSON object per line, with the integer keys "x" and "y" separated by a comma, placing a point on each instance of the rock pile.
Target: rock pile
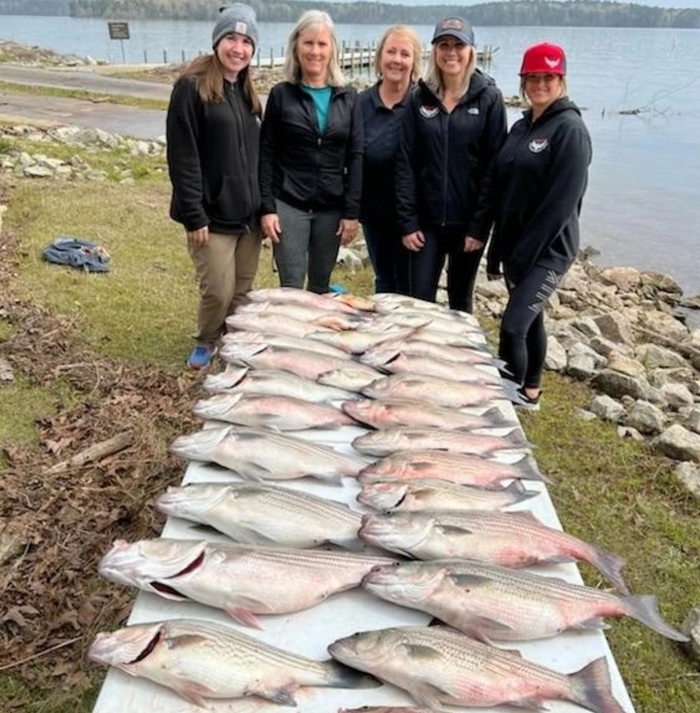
{"x": 620, "y": 331}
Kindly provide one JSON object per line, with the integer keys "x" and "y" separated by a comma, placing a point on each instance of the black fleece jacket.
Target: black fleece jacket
{"x": 444, "y": 158}
{"x": 540, "y": 177}
{"x": 303, "y": 167}
{"x": 212, "y": 151}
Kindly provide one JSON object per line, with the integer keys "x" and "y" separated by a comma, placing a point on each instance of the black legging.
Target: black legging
{"x": 426, "y": 266}
{"x": 523, "y": 340}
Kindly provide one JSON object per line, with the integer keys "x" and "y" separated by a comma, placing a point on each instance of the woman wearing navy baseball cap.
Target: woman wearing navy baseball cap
{"x": 540, "y": 177}
{"x": 452, "y": 130}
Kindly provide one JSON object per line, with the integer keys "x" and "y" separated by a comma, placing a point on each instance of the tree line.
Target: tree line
{"x": 578, "y": 13}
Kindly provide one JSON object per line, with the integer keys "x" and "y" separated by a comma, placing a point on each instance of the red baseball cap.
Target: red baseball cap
{"x": 544, "y": 57}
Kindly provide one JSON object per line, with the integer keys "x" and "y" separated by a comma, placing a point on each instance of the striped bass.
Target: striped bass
{"x": 283, "y": 413}
{"x": 243, "y": 581}
{"x": 354, "y": 341}
{"x": 282, "y": 340}
{"x": 493, "y": 603}
{"x": 303, "y": 313}
{"x": 442, "y": 392}
{"x": 439, "y": 666}
{"x": 273, "y": 382}
{"x": 506, "y": 539}
{"x": 404, "y": 412}
{"x": 293, "y": 295}
{"x": 273, "y": 323}
{"x": 200, "y": 660}
{"x": 445, "y": 352}
{"x": 257, "y": 514}
{"x": 396, "y": 439}
{"x": 259, "y": 454}
{"x": 419, "y": 495}
{"x": 444, "y": 465}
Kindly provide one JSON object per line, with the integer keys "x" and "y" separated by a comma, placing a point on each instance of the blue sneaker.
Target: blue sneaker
{"x": 201, "y": 356}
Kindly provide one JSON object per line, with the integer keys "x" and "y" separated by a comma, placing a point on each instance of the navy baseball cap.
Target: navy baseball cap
{"x": 454, "y": 27}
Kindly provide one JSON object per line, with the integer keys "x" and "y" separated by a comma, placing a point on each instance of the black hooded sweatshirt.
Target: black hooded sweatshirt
{"x": 444, "y": 158}
{"x": 213, "y": 159}
{"x": 539, "y": 179}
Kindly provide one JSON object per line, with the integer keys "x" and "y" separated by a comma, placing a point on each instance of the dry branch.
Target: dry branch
{"x": 96, "y": 452}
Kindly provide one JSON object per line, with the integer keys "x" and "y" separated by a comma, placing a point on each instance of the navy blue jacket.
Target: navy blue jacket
{"x": 381, "y": 131}
{"x": 444, "y": 158}
{"x": 540, "y": 177}
{"x": 212, "y": 151}
{"x": 303, "y": 167}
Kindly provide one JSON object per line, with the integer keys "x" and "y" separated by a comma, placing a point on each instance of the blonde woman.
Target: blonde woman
{"x": 540, "y": 178}
{"x": 398, "y": 66}
{"x": 213, "y": 138}
{"x": 453, "y": 128}
{"x": 311, "y": 158}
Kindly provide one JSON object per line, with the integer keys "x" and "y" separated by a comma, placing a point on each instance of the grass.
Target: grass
{"x": 83, "y": 95}
{"x": 614, "y": 492}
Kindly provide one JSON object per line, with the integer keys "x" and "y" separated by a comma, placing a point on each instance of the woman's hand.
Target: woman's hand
{"x": 414, "y": 241}
{"x": 471, "y": 245}
{"x": 200, "y": 237}
{"x": 270, "y": 226}
{"x": 347, "y": 230}
{"x": 494, "y": 276}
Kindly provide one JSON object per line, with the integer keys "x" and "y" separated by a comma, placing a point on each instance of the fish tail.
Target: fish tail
{"x": 591, "y": 688}
{"x": 517, "y": 491}
{"x": 645, "y": 609}
{"x": 495, "y": 417}
{"x": 528, "y": 470}
{"x": 611, "y": 566}
{"x": 340, "y": 676}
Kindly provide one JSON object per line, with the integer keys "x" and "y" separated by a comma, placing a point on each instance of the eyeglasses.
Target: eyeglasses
{"x": 537, "y": 78}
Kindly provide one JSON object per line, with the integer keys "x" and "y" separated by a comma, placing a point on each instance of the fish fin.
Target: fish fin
{"x": 449, "y": 530}
{"x": 610, "y": 566}
{"x": 531, "y": 703}
{"x": 591, "y": 688}
{"x": 419, "y": 651}
{"x": 645, "y": 609}
{"x": 496, "y": 418}
{"x": 429, "y": 696}
{"x": 244, "y": 616}
{"x": 282, "y": 696}
{"x": 528, "y": 470}
{"x": 193, "y": 692}
{"x": 339, "y": 675}
{"x": 500, "y": 431}
{"x": 173, "y": 642}
{"x": 595, "y": 623}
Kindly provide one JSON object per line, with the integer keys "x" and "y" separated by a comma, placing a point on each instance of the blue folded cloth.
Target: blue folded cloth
{"x": 77, "y": 252}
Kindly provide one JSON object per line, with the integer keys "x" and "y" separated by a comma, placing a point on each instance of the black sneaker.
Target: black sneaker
{"x": 521, "y": 400}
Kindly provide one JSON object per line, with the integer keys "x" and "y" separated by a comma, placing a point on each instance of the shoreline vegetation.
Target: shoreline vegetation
{"x": 582, "y": 13}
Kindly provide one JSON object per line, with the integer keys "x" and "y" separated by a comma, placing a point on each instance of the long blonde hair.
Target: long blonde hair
{"x": 207, "y": 73}
{"x": 312, "y": 20}
{"x": 404, "y": 32}
{"x": 433, "y": 75}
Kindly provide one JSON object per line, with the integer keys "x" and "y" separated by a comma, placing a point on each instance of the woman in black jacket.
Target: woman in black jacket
{"x": 311, "y": 158}
{"x": 540, "y": 178}
{"x": 452, "y": 130}
{"x": 213, "y": 138}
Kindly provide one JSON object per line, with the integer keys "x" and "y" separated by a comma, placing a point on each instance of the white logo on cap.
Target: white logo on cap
{"x": 241, "y": 28}
{"x": 552, "y": 62}
{"x": 452, "y": 24}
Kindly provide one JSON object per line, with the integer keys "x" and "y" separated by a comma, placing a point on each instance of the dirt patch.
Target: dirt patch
{"x": 54, "y": 527}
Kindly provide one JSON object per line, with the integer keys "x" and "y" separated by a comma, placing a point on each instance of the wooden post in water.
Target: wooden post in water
{"x": 165, "y": 56}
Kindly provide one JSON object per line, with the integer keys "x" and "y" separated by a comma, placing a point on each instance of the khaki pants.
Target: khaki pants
{"x": 225, "y": 270}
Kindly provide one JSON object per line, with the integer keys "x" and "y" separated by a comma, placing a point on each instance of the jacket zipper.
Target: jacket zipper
{"x": 234, "y": 103}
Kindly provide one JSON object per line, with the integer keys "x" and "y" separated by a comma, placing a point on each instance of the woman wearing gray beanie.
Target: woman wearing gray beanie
{"x": 213, "y": 139}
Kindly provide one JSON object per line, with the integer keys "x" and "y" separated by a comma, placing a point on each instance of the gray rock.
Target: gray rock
{"x": 616, "y": 384}
{"x": 692, "y": 419}
{"x": 607, "y": 408}
{"x": 688, "y": 475}
{"x": 664, "y": 324}
{"x": 660, "y": 377}
{"x": 629, "y": 432}
{"x": 679, "y": 443}
{"x": 583, "y": 362}
{"x": 492, "y": 289}
{"x": 624, "y": 278}
{"x": 660, "y": 281}
{"x": 37, "y": 171}
{"x": 646, "y": 418}
{"x": 615, "y": 327}
{"x": 625, "y": 365}
{"x": 604, "y": 346}
{"x": 691, "y": 627}
{"x": 677, "y": 395}
{"x": 654, "y": 356}
{"x": 556, "y": 359}
{"x": 585, "y": 415}
{"x": 587, "y": 326}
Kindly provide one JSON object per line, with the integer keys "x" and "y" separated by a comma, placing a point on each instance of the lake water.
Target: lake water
{"x": 643, "y": 203}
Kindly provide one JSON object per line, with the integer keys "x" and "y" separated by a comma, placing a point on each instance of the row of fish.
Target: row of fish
{"x": 434, "y": 470}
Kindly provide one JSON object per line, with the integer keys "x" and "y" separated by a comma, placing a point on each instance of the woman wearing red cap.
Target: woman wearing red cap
{"x": 539, "y": 180}
{"x": 452, "y": 129}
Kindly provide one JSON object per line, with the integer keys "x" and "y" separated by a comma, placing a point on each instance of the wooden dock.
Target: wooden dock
{"x": 355, "y": 57}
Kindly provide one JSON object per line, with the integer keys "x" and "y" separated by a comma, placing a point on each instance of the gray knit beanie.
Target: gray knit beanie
{"x": 238, "y": 18}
